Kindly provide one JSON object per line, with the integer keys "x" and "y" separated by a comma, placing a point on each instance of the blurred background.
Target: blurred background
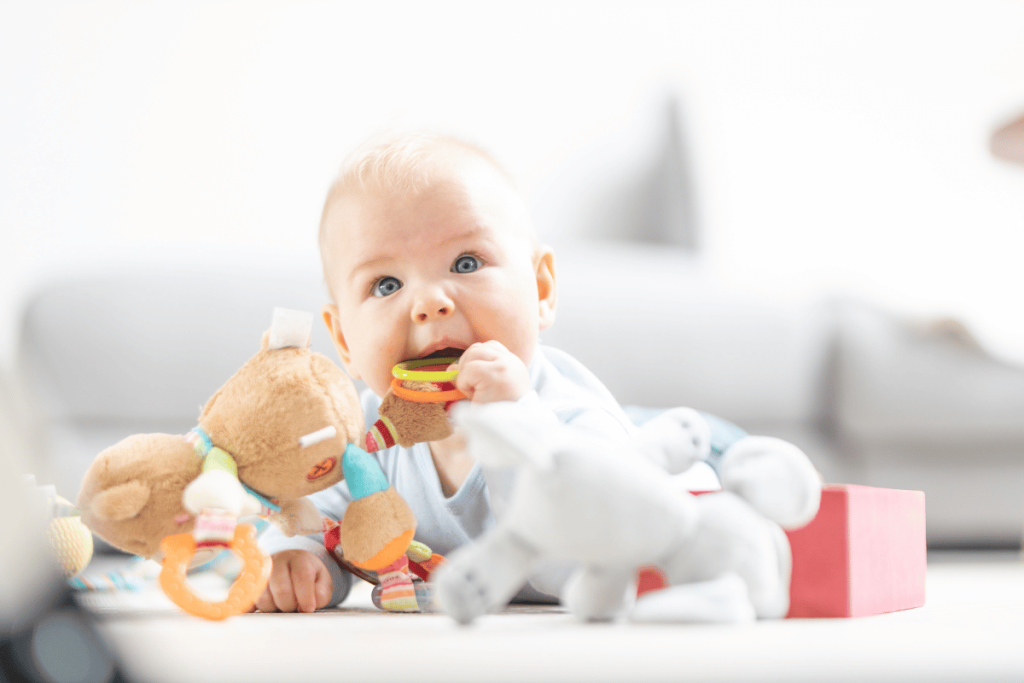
{"x": 825, "y": 145}
{"x": 793, "y": 202}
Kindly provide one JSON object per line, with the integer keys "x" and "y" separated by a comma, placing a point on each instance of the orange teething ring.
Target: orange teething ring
{"x": 250, "y": 584}
{"x": 425, "y": 396}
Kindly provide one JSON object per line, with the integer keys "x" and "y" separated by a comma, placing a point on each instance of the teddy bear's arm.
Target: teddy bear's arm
{"x": 378, "y": 524}
{"x": 297, "y": 517}
{"x": 407, "y": 423}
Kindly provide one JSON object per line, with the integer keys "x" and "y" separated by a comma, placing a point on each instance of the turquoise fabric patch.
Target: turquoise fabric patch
{"x": 267, "y": 503}
{"x": 362, "y": 473}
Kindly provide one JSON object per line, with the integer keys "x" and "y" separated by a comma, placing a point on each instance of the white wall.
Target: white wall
{"x": 838, "y": 145}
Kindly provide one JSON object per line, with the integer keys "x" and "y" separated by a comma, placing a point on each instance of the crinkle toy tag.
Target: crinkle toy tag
{"x": 290, "y": 328}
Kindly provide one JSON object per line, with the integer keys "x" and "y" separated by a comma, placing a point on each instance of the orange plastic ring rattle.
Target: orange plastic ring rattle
{"x": 409, "y": 371}
{"x": 247, "y": 588}
{"x": 425, "y": 396}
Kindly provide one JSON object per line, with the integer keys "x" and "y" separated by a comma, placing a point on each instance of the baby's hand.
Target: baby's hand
{"x": 489, "y": 372}
{"x": 299, "y": 582}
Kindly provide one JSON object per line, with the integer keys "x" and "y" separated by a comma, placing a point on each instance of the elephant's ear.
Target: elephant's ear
{"x": 121, "y": 502}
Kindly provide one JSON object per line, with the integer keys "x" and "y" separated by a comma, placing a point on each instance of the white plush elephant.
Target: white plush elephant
{"x": 613, "y": 508}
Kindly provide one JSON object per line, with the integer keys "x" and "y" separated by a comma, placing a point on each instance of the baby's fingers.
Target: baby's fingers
{"x": 303, "y": 583}
{"x": 474, "y": 375}
{"x": 265, "y": 603}
{"x": 323, "y": 589}
{"x": 483, "y": 351}
{"x": 282, "y": 594}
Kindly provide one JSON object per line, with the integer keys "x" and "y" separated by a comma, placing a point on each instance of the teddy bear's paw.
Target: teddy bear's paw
{"x": 775, "y": 477}
{"x": 724, "y": 600}
{"x": 423, "y": 593}
{"x": 298, "y": 517}
{"x": 598, "y": 593}
{"x": 217, "y": 489}
{"x": 676, "y": 439}
{"x": 376, "y": 529}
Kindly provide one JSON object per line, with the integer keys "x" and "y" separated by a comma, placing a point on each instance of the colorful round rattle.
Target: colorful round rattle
{"x": 247, "y": 588}
{"x": 409, "y": 371}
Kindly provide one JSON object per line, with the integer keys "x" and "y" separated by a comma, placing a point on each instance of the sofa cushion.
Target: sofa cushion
{"x": 903, "y": 380}
{"x": 152, "y": 341}
{"x": 654, "y": 326}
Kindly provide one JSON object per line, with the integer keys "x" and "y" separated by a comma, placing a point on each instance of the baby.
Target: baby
{"x": 428, "y": 250}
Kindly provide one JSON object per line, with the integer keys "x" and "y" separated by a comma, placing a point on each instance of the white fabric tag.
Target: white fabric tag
{"x": 319, "y": 435}
{"x": 290, "y": 328}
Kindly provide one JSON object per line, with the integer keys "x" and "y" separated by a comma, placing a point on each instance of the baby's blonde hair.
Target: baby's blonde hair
{"x": 397, "y": 161}
{"x": 404, "y": 162}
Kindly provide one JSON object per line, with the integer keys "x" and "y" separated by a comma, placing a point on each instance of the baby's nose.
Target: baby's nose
{"x": 441, "y": 312}
{"x": 433, "y": 308}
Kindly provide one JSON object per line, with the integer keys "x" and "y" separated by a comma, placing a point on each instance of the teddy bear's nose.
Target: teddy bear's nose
{"x": 321, "y": 468}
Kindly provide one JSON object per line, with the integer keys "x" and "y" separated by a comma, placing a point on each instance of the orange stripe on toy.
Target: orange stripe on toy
{"x": 389, "y": 554}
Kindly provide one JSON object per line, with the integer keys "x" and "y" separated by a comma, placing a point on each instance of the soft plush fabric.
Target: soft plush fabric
{"x": 609, "y": 510}
{"x": 248, "y": 453}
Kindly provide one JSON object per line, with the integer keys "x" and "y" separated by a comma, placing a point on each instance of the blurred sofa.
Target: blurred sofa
{"x": 137, "y": 343}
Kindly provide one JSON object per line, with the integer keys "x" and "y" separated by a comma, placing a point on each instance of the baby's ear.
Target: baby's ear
{"x": 333, "y": 321}
{"x": 121, "y": 502}
{"x": 547, "y": 293}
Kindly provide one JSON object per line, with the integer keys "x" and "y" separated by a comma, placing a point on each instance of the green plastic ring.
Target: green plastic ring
{"x": 405, "y": 370}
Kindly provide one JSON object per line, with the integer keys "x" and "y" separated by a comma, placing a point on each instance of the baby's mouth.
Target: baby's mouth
{"x": 447, "y": 352}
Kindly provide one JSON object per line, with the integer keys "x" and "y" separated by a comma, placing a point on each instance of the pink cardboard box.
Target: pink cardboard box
{"x": 864, "y": 553}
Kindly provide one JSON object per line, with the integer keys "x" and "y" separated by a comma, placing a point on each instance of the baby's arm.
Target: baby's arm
{"x": 489, "y": 372}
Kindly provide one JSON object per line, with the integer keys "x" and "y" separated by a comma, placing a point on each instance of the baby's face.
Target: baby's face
{"x": 414, "y": 275}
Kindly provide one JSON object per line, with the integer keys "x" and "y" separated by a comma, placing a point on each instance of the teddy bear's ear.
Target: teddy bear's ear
{"x": 121, "y": 502}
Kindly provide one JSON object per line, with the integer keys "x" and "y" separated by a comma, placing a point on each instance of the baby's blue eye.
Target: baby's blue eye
{"x": 466, "y": 264}
{"x": 386, "y": 286}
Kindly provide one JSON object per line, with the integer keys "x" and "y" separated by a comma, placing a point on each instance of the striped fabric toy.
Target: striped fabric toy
{"x": 381, "y": 435}
{"x": 399, "y": 587}
{"x": 133, "y": 577}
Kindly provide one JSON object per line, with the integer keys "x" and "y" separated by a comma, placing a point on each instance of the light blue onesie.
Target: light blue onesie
{"x": 561, "y": 384}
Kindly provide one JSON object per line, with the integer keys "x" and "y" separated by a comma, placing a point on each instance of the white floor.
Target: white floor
{"x": 971, "y": 629}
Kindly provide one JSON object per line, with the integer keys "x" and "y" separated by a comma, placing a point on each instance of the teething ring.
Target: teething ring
{"x": 425, "y": 396}
{"x": 250, "y": 584}
{"x": 406, "y": 370}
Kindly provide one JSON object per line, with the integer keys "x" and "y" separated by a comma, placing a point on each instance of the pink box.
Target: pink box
{"x": 863, "y": 554}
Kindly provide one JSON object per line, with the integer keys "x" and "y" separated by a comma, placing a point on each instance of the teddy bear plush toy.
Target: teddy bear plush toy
{"x": 610, "y": 510}
{"x": 284, "y": 426}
